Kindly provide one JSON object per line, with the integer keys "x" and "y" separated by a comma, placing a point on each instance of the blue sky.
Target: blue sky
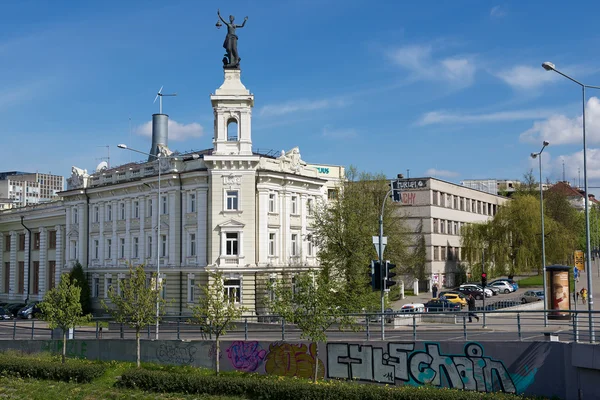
{"x": 451, "y": 89}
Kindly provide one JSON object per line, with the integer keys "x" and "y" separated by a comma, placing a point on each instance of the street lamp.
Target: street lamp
{"x": 158, "y": 212}
{"x": 539, "y": 157}
{"x": 548, "y": 66}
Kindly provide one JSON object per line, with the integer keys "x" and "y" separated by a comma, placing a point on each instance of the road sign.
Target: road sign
{"x": 376, "y": 243}
{"x": 408, "y": 184}
{"x": 579, "y": 261}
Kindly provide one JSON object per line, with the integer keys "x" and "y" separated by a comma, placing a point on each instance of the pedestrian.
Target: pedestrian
{"x": 471, "y": 303}
{"x": 583, "y": 295}
{"x": 434, "y": 290}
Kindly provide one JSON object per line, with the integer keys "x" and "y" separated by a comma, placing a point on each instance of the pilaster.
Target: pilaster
{"x": 202, "y": 216}
{"x": 13, "y": 265}
{"x": 43, "y": 260}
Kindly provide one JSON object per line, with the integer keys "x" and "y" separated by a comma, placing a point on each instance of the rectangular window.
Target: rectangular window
{"x": 462, "y": 204}
{"x": 294, "y": 205}
{"x": 444, "y": 253}
{"x": 436, "y": 253}
{"x": 163, "y": 245}
{"x": 442, "y": 226}
{"x": 96, "y": 214}
{"x": 52, "y": 239}
{"x": 271, "y": 244}
{"x": 21, "y": 285}
{"x": 109, "y": 212}
{"x": 436, "y": 225}
{"x": 6, "y": 276}
{"x": 442, "y": 199}
{"x": 149, "y": 207}
{"x": 455, "y": 202}
{"x": 192, "y": 238}
{"x": 121, "y": 211}
{"x": 51, "y": 274}
{"x": 95, "y": 286}
{"x": 192, "y": 203}
{"x": 310, "y": 206}
{"x": 231, "y": 244}
{"x": 7, "y": 243}
{"x": 191, "y": 288}
{"x": 309, "y": 248}
{"x": 136, "y": 247}
{"x": 36, "y": 240}
{"x": 109, "y": 247}
{"x": 232, "y": 290}
{"x": 434, "y": 196}
{"x": 272, "y": 208}
{"x": 232, "y": 200}
{"x": 164, "y": 205}
{"x": 294, "y": 244}
{"x": 96, "y": 248}
{"x": 149, "y": 247}
{"x": 107, "y": 285}
{"x": 75, "y": 216}
{"x": 21, "y": 241}
{"x": 455, "y": 228}
{"x": 332, "y": 194}
{"x": 121, "y": 247}
{"x": 74, "y": 253}
{"x": 136, "y": 209}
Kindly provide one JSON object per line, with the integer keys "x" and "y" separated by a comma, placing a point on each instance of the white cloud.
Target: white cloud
{"x": 574, "y": 167}
{"x": 444, "y": 117}
{"x": 302, "y": 105}
{"x": 441, "y": 173}
{"x": 526, "y": 77}
{"x": 498, "y": 12}
{"x": 333, "y": 133}
{"x": 560, "y": 129}
{"x": 420, "y": 62}
{"x": 177, "y": 131}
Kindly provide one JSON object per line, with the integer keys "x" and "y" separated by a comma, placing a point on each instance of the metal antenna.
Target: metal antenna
{"x": 160, "y": 95}
{"x": 563, "y": 162}
{"x": 107, "y": 158}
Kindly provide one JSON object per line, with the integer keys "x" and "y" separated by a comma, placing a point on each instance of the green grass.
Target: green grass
{"x": 531, "y": 281}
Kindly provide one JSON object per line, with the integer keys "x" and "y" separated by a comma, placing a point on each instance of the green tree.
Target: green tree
{"x": 61, "y": 308}
{"x": 344, "y": 228}
{"x": 314, "y": 304}
{"x": 137, "y": 302}
{"x": 77, "y": 275}
{"x": 215, "y": 311}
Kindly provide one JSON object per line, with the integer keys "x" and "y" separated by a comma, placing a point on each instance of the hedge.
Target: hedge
{"x": 288, "y": 389}
{"x": 45, "y": 369}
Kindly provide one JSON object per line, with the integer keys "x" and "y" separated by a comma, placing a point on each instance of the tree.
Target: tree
{"x": 314, "y": 304}
{"x": 61, "y": 308}
{"x": 77, "y": 275}
{"x": 344, "y": 228}
{"x": 137, "y": 302}
{"x": 216, "y": 311}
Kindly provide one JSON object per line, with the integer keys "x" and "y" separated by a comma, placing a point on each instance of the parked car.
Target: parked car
{"x": 5, "y": 314}
{"x": 389, "y": 313}
{"x": 14, "y": 308}
{"x": 412, "y": 308}
{"x": 504, "y": 286}
{"x": 488, "y": 292}
{"x": 455, "y": 298}
{"x": 31, "y": 310}
{"x": 437, "y": 305}
{"x": 495, "y": 290}
{"x": 514, "y": 284}
{"x": 531, "y": 296}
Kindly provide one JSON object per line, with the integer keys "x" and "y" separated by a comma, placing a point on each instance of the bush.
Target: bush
{"x": 45, "y": 369}
{"x": 285, "y": 388}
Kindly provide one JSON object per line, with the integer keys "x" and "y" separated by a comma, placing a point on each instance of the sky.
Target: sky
{"x": 449, "y": 89}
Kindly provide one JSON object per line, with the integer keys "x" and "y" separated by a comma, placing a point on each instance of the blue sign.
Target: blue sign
{"x": 575, "y": 272}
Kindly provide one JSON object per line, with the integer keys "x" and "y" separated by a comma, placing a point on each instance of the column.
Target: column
{"x": 13, "y": 264}
{"x": 303, "y": 238}
{"x": 2, "y": 263}
{"x": 26, "y": 265}
{"x": 60, "y": 259}
{"x": 115, "y": 239}
{"x": 43, "y": 260}
{"x": 284, "y": 218}
{"x": 202, "y": 217}
{"x": 263, "y": 231}
{"x": 142, "y": 240}
{"x": 81, "y": 248}
{"x": 128, "y": 241}
{"x": 173, "y": 232}
{"x": 101, "y": 238}
{"x": 68, "y": 242}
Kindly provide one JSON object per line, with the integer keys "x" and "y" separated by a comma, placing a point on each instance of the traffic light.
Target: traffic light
{"x": 483, "y": 279}
{"x": 375, "y": 275}
{"x": 395, "y": 193}
{"x": 388, "y": 282}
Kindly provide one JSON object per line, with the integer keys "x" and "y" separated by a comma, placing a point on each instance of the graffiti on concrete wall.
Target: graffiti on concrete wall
{"x": 246, "y": 356}
{"x": 297, "y": 360}
{"x": 176, "y": 353}
{"x": 76, "y": 349}
{"x": 401, "y": 363}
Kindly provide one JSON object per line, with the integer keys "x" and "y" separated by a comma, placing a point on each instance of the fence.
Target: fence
{"x": 523, "y": 325}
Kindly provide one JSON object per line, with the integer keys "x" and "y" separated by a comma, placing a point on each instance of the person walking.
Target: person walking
{"x": 583, "y": 295}
{"x": 471, "y": 303}
{"x": 434, "y": 290}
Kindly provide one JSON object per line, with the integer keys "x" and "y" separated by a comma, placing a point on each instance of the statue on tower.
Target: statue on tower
{"x": 231, "y": 60}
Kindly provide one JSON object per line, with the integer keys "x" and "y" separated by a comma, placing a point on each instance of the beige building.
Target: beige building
{"x": 25, "y": 188}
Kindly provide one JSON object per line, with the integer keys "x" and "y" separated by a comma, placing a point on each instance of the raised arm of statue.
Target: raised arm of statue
{"x": 221, "y": 18}
{"x": 243, "y": 23}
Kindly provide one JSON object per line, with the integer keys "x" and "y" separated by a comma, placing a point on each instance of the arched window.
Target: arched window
{"x": 232, "y": 130}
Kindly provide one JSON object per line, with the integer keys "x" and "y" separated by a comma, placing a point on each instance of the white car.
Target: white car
{"x": 488, "y": 292}
{"x": 504, "y": 286}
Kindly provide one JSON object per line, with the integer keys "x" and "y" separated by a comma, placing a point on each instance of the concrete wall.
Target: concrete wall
{"x": 563, "y": 370}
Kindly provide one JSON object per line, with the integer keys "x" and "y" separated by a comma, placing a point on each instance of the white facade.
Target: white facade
{"x": 439, "y": 210}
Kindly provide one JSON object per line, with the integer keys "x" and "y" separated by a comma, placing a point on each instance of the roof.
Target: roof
{"x": 567, "y": 190}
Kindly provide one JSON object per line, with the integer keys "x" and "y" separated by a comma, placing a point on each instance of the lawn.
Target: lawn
{"x": 531, "y": 281}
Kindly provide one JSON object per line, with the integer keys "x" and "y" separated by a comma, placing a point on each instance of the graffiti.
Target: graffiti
{"x": 409, "y": 198}
{"x": 246, "y": 356}
{"x": 469, "y": 371}
{"x": 287, "y": 359}
{"x": 174, "y": 353}
{"x": 74, "y": 348}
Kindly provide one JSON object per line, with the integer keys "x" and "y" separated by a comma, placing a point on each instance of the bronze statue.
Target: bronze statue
{"x": 231, "y": 60}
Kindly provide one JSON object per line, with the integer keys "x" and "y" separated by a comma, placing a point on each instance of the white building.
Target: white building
{"x": 439, "y": 210}
{"x": 25, "y": 188}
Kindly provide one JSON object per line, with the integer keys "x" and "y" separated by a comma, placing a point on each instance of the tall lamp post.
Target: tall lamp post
{"x": 548, "y": 66}
{"x": 539, "y": 157}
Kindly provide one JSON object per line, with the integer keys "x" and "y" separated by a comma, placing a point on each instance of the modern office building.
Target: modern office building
{"x": 25, "y": 188}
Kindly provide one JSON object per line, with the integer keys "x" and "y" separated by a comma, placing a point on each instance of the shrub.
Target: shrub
{"x": 288, "y": 389}
{"x": 45, "y": 369}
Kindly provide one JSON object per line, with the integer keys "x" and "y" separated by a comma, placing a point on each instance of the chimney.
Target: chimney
{"x": 160, "y": 133}
{"x": 400, "y": 176}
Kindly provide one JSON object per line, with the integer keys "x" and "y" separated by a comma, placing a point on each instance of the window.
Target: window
{"x": 192, "y": 202}
{"x": 136, "y": 247}
{"x": 272, "y": 208}
{"x": 232, "y": 290}
{"x": 294, "y": 205}
{"x": 435, "y": 198}
{"x": 136, "y": 209}
{"x": 310, "y": 206}
{"x": 332, "y": 194}
{"x": 149, "y": 207}
{"x": 462, "y": 204}
{"x": 444, "y": 253}
{"x": 21, "y": 285}
{"x": 6, "y": 276}
{"x": 455, "y": 228}
{"x": 96, "y": 214}
{"x": 232, "y": 130}
{"x": 294, "y": 244}
{"x": 192, "y": 238}
{"x": 75, "y": 216}
{"x": 455, "y": 203}
{"x": 95, "y": 286}
{"x": 163, "y": 245}
{"x": 121, "y": 211}
{"x": 231, "y": 244}
{"x": 109, "y": 212}
{"x": 271, "y": 244}
{"x": 51, "y": 240}
{"x": 309, "y": 248}
{"x": 436, "y": 225}
{"x": 149, "y": 247}
{"x": 107, "y": 285}
{"x": 36, "y": 240}
{"x": 120, "y": 279}
{"x": 109, "y": 247}
{"x": 121, "y": 247}
{"x": 232, "y": 200}
{"x": 442, "y": 199}
{"x": 164, "y": 205}
{"x": 74, "y": 253}
{"x": 442, "y": 226}
{"x": 191, "y": 286}
{"x": 436, "y": 253}
{"x": 7, "y": 243}
{"x": 51, "y": 274}
{"x": 21, "y": 241}
{"x": 96, "y": 248}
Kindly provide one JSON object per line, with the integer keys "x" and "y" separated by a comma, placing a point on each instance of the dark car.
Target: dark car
{"x": 14, "y": 308}
{"x": 30, "y": 310}
{"x": 5, "y": 314}
{"x": 437, "y": 305}
{"x": 467, "y": 290}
